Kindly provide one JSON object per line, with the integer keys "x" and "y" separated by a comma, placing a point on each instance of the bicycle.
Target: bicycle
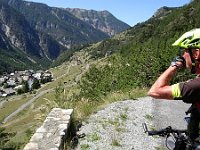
{"x": 179, "y": 138}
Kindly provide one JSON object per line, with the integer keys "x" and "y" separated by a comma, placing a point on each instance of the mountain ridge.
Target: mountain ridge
{"x": 41, "y": 32}
{"x": 111, "y": 26}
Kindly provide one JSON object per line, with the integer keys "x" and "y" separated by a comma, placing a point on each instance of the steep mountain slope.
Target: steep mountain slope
{"x": 41, "y": 32}
{"x": 57, "y": 22}
{"x": 18, "y": 41}
{"x": 102, "y": 20}
{"x": 17, "y": 31}
{"x": 21, "y": 35}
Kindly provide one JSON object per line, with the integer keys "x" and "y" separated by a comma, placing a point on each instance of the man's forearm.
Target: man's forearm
{"x": 161, "y": 88}
{"x": 165, "y": 78}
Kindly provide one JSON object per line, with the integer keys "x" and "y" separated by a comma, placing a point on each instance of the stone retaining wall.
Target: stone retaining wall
{"x": 52, "y": 134}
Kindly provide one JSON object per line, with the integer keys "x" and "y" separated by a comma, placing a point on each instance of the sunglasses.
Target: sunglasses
{"x": 182, "y": 51}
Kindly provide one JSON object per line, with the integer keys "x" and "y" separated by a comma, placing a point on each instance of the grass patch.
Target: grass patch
{"x": 117, "y": 96}
{"x": 115, "y": 143}
{"x": 85, "y": 146}
{"x": 123, "y": 116}
{"x": 159, "y": 148}
{"x": 84, "y": 109}
{"x": 120, "y": 129}
{"x": 94, "y": 137}
{"x": 115, "y": 122}
{"x": 10, "y": 106}
{"x": 149, "y": 117}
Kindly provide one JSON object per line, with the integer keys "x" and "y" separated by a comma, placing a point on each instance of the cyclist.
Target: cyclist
{"x": 188, "y": 91}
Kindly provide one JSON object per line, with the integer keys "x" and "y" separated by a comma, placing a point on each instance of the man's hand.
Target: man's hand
{"x": 178, "y": 62}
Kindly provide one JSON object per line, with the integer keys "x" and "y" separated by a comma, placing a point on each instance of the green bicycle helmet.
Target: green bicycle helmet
{"x": 190, "y": 39}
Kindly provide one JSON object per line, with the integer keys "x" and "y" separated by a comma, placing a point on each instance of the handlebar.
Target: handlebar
{"x": 163, "y": 132}
{"x": 180, "y": 139}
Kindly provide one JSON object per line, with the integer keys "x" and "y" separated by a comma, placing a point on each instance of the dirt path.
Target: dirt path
{"x": 170, "y": 113}
{"x": 25, "y": 105}
{"x": 122, "y": 122}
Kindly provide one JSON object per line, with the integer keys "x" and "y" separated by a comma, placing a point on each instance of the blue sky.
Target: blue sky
{"x": 128, "y": 11}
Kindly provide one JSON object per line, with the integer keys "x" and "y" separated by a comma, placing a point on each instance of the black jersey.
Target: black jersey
{"x": 188, "y": 91}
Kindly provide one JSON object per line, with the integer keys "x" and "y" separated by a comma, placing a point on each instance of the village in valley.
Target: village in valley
{"x": 19, "y": 82}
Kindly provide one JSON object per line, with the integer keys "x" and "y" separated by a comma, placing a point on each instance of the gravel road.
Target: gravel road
{"x": 25, "y": 105}
{"x": 119, "y": 125}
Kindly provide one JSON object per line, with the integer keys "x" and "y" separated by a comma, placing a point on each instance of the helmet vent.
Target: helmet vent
{"x": 194, "y": 43}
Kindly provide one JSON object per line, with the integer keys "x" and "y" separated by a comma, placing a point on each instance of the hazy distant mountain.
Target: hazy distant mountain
{"x": 102, "y": 20}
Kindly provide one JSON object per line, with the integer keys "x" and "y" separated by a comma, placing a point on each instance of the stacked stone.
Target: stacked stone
{"x": 53, "y": 132}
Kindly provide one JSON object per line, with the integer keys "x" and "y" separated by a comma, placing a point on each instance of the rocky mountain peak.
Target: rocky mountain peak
{"x": 101, "y": 20}
{"x": 163, "y": 11}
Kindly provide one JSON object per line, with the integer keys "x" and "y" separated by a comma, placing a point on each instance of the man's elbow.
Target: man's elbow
{"x": 160, "y": 94}
{"x": 153, "y": 94}
{"x": 149, "y": 93}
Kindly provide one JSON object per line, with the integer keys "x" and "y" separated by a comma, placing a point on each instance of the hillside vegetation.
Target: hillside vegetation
{"x": 140, "y": 54}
